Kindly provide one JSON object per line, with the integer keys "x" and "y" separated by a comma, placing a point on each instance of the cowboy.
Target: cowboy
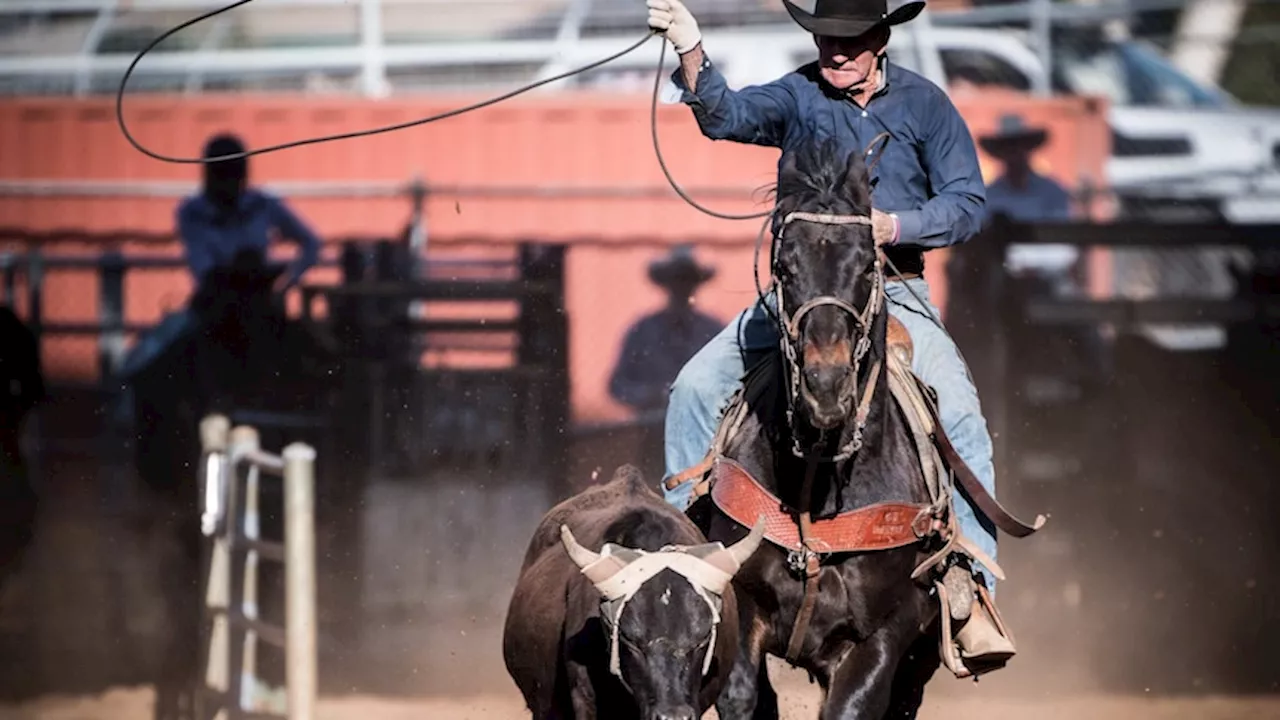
{"x": 227, "y": 216}
{"x": 659, "y": 344}
{"x": 928, "y": 193}
{"x": 1022, "y": 194}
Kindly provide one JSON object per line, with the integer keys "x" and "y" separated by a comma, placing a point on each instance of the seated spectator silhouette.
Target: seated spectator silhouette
{"x": 659, "y": 344}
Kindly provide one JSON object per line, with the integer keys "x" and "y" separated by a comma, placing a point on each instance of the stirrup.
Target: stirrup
{"x": 979, "y": 646}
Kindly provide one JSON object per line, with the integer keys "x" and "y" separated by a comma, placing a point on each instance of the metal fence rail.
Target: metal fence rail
{"x": 230, "y": 518}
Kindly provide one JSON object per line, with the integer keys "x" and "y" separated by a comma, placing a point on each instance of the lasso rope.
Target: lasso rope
{"x": 653, "y": 112}
{"x": 653, "y": 122}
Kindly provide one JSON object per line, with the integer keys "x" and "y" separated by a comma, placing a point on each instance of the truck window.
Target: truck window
{"x": 984, "y": 69}
{"x": 1127, "y": 73}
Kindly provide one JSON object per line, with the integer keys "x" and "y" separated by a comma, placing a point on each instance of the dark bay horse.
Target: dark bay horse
{"x": 822, "y": 433}
{"x": 240, "y": 352}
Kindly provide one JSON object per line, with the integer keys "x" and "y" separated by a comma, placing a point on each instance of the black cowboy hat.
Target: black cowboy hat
{"x": 679, "y": 268}
{"x": 1013, "y": 136}
{"x": 850, "y": 18}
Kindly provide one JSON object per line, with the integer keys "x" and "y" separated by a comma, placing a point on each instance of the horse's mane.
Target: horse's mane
{"x": 818, "y": 176}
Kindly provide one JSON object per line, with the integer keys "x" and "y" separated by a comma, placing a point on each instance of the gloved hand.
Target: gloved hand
{"x": 884, "y": 228}
{"x": 673, "y": 19}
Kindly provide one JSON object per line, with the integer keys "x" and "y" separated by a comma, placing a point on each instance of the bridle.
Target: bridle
{"x": 789, "y": 333}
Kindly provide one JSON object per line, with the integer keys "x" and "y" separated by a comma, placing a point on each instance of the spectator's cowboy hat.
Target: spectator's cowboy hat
{"x": 1013, "y": 137}
{"x": 679, "y": 269}
{"x": 850, "y": 18}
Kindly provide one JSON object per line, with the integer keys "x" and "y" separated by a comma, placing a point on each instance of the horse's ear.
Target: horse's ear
{"x": 857, "y": 181}
{"x": 789, "y": 172}
{"x": 790, "y": 178}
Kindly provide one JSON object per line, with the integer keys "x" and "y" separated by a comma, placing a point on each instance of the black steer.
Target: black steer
{"x": 645, "y": 628}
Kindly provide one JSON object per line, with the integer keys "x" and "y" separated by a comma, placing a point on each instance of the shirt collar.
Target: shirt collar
{"x": 882, "y": 70}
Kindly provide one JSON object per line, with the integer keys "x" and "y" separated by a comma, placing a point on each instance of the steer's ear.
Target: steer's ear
{"x": 731, "y": 559}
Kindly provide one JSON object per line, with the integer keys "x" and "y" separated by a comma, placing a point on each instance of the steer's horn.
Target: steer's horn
{"x": 729, "y": 560}
{"x": 581, "y": 556}
{"x": 743, "y": 549}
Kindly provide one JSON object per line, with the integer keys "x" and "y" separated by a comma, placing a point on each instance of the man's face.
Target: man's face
{"x": 847, "y": 62}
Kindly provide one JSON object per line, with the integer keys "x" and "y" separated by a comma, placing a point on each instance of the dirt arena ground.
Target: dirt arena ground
{"x": 948, "y": 699}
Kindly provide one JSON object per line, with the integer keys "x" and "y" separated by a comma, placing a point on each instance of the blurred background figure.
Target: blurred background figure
{"x": 228, "y": 216}
{"x": 1024, "y": 195}
{"x": 657, "y": 346}
{"x": 1020, "y": 192}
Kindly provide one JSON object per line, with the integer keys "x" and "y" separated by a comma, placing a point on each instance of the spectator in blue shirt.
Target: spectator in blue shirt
{"x": 1024, "y": 195}
{"x": 659, "y": 344}
{"x": 225, "y": 217}
{"x": 927, "y": 193}
{"x": 228, "y": 216}
{"x": 1020, "y": 192}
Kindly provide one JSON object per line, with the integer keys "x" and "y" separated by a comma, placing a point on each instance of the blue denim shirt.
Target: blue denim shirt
{"x": 211, "y": 241}
{"x": 928, "y": 175}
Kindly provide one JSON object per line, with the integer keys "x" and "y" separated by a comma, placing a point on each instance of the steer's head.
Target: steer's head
{"x": 662, "y": 611}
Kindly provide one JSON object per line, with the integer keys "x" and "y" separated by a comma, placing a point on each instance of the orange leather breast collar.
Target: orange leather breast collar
{"x": 881, "y": 526}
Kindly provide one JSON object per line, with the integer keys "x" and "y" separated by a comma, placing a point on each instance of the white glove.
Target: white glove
{"x": 673, "y": 19}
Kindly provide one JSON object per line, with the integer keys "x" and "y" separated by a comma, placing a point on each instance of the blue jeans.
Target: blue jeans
{"x": 151, "y": 344}
{"x": 708, "y": 381}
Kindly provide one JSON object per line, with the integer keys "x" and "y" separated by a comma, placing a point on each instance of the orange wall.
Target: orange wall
{"x": 579, "y": 140}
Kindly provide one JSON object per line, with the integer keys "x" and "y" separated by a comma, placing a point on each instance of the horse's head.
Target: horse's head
{"x": 828, "y": 278}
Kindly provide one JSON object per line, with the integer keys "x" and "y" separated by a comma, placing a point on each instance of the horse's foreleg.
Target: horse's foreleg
{"x": 915, "y": 670}
{"x": 747, "y": 694}
{"x": 862, "y": 684}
